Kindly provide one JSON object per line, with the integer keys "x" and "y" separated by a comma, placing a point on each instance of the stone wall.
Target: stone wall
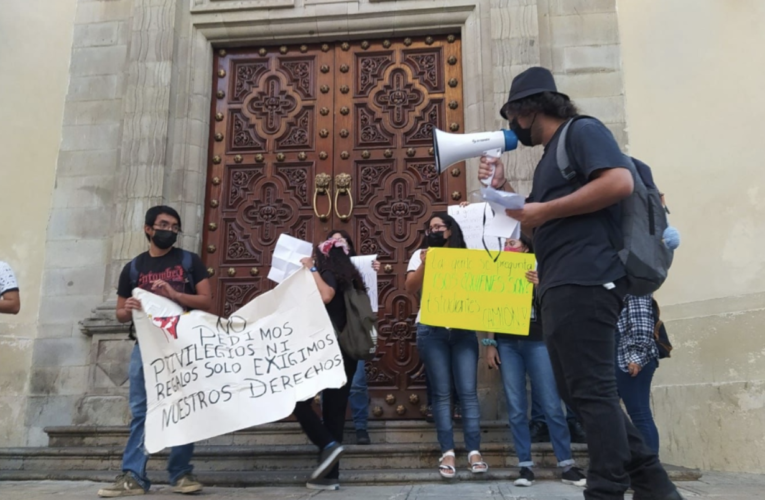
{"x": 33, "y": 84}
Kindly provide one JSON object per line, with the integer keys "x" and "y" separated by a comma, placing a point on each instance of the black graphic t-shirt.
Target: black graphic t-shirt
{"x": 169, "y": 268}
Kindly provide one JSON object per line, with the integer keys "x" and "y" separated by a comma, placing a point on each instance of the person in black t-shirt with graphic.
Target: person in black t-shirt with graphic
{"x": 334, "y": 273}
{"x": 181, "y": 277}
{"x": 576, "y": 235}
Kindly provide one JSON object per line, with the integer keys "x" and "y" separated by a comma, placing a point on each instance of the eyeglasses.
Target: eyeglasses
{"x": 165, "y": 226}
{"x": 436, "y": 228}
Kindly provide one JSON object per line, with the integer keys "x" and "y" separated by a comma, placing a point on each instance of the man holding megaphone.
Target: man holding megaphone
{"x": 576, "y": 227}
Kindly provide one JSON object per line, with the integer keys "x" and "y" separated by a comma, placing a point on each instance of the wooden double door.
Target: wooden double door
{"x": 305, "y": 139}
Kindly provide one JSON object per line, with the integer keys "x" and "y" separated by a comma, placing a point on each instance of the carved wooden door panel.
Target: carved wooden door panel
{"x": 271, "y": 116}
{"x": 360, "y": 114}
{"x": 389, "y": 95}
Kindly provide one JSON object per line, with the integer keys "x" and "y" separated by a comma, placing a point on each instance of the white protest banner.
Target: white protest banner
{"x": 364, "y": 264}
{"x": 207, "y": 376}
{"x": 286, "y": 257}
{"x": 471, "y": 220}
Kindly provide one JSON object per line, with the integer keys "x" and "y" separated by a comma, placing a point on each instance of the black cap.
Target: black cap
{"x": 531, "y": 82}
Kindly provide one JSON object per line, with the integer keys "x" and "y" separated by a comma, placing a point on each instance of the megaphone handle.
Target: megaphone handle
{"x": 493, "y": 153}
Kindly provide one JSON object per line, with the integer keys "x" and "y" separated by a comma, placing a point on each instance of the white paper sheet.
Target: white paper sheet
{"x": 502, "y": 225}
{"x": 286, "y": 258}
{"x": 471, "y": 221}
{"x": 513, "y": 201}
{"x": 364, "y": 264}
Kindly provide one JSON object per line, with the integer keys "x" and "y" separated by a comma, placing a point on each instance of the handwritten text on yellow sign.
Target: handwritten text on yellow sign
{"x": 466, "y": 289}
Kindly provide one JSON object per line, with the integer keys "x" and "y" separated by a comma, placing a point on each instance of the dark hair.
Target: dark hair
{"x": 154, "y": 212}
{"x": 344, "y": 234}
{"x": 456, "y": 240}
{"x": 548, "y": 103}
{"x": 528, "y": 242}
{"x": 341, "y": 267}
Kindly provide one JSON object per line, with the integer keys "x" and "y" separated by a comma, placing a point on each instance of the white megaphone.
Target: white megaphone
{"x": 453, "y": 148}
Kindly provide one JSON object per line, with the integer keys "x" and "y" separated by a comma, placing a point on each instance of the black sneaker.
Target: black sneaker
{"x": 323, "y": 484}
{"x": 575, "y": 477}
{"x": 362, "y": 437}
{"x": 577, "y": 432}
{"x": 526, "y": 479}
{"x": 539, "y": 432}
{"x": 327, "y": 459}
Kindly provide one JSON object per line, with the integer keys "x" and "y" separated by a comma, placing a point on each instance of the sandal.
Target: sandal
{"x": 479, "y": 466}
{"x": 446, "y": 471}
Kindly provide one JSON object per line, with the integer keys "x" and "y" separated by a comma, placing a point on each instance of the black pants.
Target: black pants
{"x": 580, "y": 329}
{"x": 334, "y": 404}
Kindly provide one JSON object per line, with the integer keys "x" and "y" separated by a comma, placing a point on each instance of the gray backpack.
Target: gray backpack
{"x": 645, "y": 256}
{"x": 359, "y": 337}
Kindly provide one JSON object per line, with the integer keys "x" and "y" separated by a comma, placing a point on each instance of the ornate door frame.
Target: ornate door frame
{"x": 285, "y": 121}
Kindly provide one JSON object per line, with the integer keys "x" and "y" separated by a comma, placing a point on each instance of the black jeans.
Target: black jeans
{"x": 334, "y": 404}
{"x": 579, "y": 330}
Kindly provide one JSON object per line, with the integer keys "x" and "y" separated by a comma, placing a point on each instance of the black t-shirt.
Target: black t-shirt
{"x": 578, "y": 250}
{"x": 169, "y": 268}
{"x": 336, "y": 306}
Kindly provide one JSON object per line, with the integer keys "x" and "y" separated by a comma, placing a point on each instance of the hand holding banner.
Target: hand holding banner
{"x": 467, "y": 289}
{"x": 207, "y": 376}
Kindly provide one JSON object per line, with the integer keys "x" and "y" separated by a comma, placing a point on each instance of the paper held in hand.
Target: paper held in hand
{"x": 286, "y": 258}
{"x": 207, "y": 376}
{"x": 502, "y": 225}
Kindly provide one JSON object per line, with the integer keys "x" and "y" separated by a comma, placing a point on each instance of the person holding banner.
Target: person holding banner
{"x": 517, "y": 356}
{"x": 577, "y": 233}
{"x": 448, "y": 354}
{"x": 359, "y": 398}
{"x": 180, "y": 276}
{"x": 334, "y": 273}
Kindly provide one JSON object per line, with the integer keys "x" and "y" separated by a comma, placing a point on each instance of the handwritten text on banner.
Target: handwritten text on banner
{"x": 207, "y": 376}
{"x": 466, "y": 289}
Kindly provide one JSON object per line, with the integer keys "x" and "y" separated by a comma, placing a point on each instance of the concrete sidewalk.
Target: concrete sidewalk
{"x": 713, "y": 485}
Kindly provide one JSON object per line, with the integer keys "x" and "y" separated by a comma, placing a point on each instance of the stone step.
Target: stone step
{"x": 411, "y": 456}
{"x": 295, "y": 477}
{"x": 282, "y": 433}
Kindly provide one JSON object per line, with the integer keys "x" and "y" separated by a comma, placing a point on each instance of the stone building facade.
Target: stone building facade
{"x": 136, "y": 131}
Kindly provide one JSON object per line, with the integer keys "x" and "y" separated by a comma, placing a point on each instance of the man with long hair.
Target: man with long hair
{"x": 576, "y": 230}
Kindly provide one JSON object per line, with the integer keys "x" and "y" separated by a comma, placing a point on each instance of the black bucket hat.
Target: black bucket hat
{"x": 531, "y": 82}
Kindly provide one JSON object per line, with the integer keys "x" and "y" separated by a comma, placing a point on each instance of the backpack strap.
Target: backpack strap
{"x": 562, "y": 158}
{"x": 133, "y": 273}
{"x": 187, "y": 262}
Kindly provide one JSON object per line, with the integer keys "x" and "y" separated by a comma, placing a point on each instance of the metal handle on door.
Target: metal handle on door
{"x": 343, "y": 186}
{"x": 321, "y": 183}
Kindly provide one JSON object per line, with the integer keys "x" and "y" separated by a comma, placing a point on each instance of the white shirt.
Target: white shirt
{"x": 414, "y": 264}
{"x": 8, "y": 281}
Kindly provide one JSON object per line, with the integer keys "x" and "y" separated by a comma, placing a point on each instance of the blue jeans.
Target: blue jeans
{"x": 538, "y": 416}
{"x": 636, "y": 394}
{"x": 452, "y": 355}
{"x": 359, "y": 398}
{"x": 135, "y": 457}
{"x": 518, "y": 358}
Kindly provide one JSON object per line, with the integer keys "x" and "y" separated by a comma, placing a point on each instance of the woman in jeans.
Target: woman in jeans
{"x": 359, "y": 398}
{"x": 637, "y": 358}
{"x": 448, "y": 354}
{"x": 334, "y": 274}
{"x": 517, "y": 356}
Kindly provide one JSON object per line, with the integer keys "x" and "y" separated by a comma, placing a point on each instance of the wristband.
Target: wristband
{"x": 489, "y": 342}
{"x": 313, "y": 269}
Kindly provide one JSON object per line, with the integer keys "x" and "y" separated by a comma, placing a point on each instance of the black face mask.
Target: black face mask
{"x": 164, "y": 239}
{"x": 523, "y": 134}
{"x": 436, "y": 239}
